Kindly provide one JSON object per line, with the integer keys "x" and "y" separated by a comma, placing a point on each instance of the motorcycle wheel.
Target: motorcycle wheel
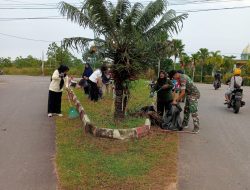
{"x": 237, "y": 106}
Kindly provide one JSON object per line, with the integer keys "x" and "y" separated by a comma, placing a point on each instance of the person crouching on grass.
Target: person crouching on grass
{"x": 95, "y": 81}
{"x": 163, "y": 88}
{"x": 59, "y": 79}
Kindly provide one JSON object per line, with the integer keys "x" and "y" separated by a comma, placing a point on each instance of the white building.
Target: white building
{"x": 246, "y": 53}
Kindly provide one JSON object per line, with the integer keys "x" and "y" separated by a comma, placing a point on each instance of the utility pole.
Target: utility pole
{"x": 61, "y": 54}
{"x": 43, "y": 63}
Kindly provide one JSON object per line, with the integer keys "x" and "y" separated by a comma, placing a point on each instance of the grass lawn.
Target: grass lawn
{"x": 85, "y": 162}
{"x": 101, "y": 113}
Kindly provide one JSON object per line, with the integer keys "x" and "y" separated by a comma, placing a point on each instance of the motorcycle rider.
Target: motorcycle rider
{"x": 234, "y": 83}
{"x": 218, "y": 76}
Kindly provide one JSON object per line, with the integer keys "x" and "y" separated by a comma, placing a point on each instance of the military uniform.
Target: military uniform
{"x": 192, "y": 96}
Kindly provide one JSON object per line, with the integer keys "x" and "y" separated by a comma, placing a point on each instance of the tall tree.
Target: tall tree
{"x": 195, "y": 59}
{"x": 203, "y": 55}
{"x": 58, "y": 55}
{"x": 185, "y": 61}
{"x": 178, "y": 49}
{"x": 128, "y": 34}
{"x": 216, "y": 60}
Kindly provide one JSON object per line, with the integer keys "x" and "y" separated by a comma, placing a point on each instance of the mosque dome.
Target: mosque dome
{"x": 246, "y": 53}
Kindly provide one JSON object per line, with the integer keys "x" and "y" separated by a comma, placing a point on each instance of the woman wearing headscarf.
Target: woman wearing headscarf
{"x": 85, "y": 76}
{"x": 164, "y": 93}
{"x": 59, "y": 79}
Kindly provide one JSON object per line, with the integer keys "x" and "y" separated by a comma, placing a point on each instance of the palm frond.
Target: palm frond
{"x": 74, "y": 14}
{"x": 170, "y": 24}
{"x": 99, "y": 14}
{"x": 78, "y": 43}
{"x": 150, "y": 14}
{"x": 122, "y": 10}
{"x": 134, "y": 14}
{"x": 128, "y": 24}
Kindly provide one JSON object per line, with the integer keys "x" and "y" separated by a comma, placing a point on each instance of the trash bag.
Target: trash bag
{"x": 172, "y": 119}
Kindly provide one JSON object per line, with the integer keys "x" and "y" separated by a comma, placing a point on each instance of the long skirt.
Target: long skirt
{"x": 94, "y": 91}
{"x": 54, "y": 102}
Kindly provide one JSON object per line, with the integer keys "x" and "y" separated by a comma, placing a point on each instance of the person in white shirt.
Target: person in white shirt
{"x": 235, "y": 82}
{"x": 95, "y": 81}
{"x": 59, "y": 79}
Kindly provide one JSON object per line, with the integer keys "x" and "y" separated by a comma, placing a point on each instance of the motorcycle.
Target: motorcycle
{"x": 217, "y": 84}
{"x": 236, "y": 100}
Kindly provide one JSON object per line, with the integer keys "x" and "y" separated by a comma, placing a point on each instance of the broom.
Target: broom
{"x": 73, "y": 113}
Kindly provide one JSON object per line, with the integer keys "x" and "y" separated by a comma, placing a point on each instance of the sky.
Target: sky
{"x": 224, "y": 30}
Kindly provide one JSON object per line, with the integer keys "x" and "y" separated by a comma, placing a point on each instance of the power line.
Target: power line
{"x": 212, "y": 9}
{"x": 23, "y": 38}
{"x": 33, "y": 18}
{"x": 54, "y": 5}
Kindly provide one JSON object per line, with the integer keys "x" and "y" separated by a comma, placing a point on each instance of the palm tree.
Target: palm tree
{"x": 178, "y": 49}
{"x": 203, "y": 55}
{"x": 215, "y": 59}
{"x": 195, "y": 59}
{"x": 185, "y": 60}
{"x": 127, "y": 33}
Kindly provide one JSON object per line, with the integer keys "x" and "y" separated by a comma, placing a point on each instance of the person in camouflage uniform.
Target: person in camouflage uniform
{"x": 192, "y": 95}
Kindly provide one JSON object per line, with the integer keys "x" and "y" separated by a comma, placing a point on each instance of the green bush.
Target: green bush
{"x": 197, "y": 78}
{"x": 226, "y": 77}
{"x": 208, "y": 79}
{"x": 246, "y": 81}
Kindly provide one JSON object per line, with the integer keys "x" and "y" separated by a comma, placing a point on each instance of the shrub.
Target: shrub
{"x": 226, "y": 77}
{"x": 246, "y": 81}
{"x": 197, "y": 78}
{"x": 208, "y": 79}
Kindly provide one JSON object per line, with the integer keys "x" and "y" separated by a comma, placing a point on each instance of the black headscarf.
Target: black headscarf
{"x": 87, "y": 71}
{"x": 162, "y": 81}
{"x": 62, "y": 69}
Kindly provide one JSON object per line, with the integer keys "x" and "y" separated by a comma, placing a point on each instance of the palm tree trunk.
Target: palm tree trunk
{"x": 202, "y": 72}
{"x": 120, "y": 102}
{"x": 193, "y": 72}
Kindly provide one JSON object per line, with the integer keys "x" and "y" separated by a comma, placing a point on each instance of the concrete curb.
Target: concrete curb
{"x": 120, "y": 134}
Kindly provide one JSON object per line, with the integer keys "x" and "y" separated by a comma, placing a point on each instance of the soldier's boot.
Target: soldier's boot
{"x": 196, "y": 123}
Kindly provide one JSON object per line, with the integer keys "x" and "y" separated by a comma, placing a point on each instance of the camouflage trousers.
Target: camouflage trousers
{"x": 191, "y": 107}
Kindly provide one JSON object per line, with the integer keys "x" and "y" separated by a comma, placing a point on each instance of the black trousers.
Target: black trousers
{"x": 54, "y": 102}
{"x": 94, "y": 91}
{"x": 163, "y": 106}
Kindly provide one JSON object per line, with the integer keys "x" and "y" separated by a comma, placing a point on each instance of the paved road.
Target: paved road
{"x": 219, "y": 157}
{"x": 26, "y": 135}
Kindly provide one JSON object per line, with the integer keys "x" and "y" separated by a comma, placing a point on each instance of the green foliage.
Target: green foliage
{"x": 167, "y": 65}
{"x": 177, "y": 50}
{"x": 29, "y": 61}
{"x": 5, "y": 62}
{"x": 228, "y": 64}
{"x": 31, "y": 71}
{"x": 208, "y": 79}
{"x": 246, "y": 81}
{"x": 58, "y": 55}
{"x": 197, "y": 78}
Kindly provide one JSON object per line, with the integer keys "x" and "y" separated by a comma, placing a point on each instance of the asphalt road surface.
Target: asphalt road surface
{"x": 27, "y": 136}
{"x": 219, "y": 157}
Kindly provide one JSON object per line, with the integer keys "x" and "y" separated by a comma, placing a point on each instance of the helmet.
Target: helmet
{"x": 237, "y": 71}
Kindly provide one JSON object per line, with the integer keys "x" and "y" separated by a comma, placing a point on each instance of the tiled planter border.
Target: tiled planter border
{"x": 120, "y": 134}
